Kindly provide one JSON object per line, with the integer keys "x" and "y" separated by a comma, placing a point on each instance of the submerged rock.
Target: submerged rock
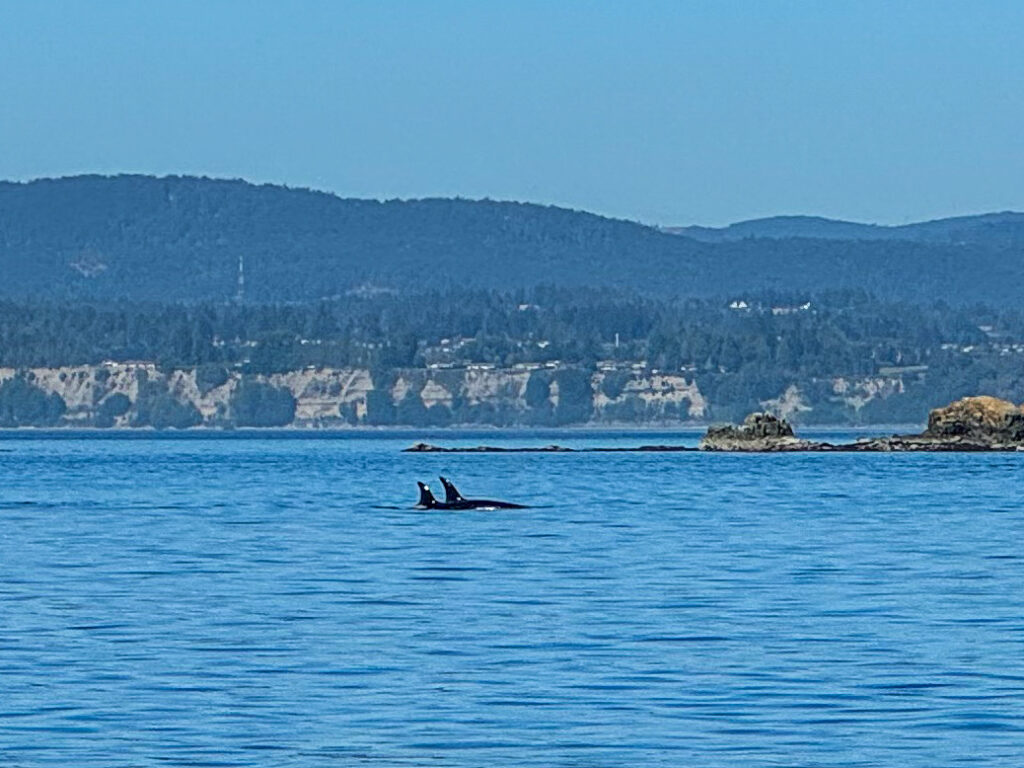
{"x": 429, "y": 448}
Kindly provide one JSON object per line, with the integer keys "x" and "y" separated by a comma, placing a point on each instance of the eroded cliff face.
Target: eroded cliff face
{"x": 648, "y": 397}
{"x": 319, "y": 394}
{"x": 842, "y": 399}
{"x": 140, "y": 394}
{"x": 114, "y": 394}
{"x": 85, "y": 389}
{"x": 856, "y": 393}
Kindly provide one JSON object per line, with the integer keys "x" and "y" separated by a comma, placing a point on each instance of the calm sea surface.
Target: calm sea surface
{"x": 275, "y": 601}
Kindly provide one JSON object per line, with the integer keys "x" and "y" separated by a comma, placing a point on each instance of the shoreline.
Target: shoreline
{"x": 895, "y": 444}
{"x": 687, "y": 428}
{"x": 970, "y": 425}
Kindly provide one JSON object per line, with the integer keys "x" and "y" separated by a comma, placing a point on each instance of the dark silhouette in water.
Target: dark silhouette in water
{"x": 455, "y": 500}
{"x": 451, "y": 493}
{"x": 427, "y": 500}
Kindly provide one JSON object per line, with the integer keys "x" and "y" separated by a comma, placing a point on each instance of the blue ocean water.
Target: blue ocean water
{"x": 273, "y": 601}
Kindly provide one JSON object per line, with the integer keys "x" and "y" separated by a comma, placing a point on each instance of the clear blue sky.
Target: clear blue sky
{"x": 666, "y": 112}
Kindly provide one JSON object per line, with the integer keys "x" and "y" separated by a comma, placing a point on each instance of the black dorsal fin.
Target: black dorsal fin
{"x": 427, "y": 499}
{"x": 451, "y": 493}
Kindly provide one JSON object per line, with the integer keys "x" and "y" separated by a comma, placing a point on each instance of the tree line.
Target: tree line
{"x": 740, "y": 350}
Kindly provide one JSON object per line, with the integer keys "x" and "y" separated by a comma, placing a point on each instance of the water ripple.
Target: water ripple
{"x": 240, "y": 602}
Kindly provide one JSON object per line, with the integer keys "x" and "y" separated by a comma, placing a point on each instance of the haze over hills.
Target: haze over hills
{"x": 989, "y": 228}
{"x": 182, "y": 239}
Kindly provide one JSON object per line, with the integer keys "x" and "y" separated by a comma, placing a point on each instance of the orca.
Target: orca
{"x": 451, "y": 493}
{"x": 427, "y": 500}
{"x": 455, "y": 500}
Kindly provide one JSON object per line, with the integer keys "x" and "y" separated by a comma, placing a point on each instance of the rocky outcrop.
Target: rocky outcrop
{"x": 760, "y": 432}
{"x": 970, "y": 424}
{"x": 979, "y": 419}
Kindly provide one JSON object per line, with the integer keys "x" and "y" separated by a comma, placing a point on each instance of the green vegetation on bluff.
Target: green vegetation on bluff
{"x": 739, "y": 354}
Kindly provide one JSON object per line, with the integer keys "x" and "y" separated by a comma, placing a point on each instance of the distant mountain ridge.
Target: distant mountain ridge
{"x": 1007, "y": 226}
{"x": 187, "y": 239}
{"x": 181, "y": 238}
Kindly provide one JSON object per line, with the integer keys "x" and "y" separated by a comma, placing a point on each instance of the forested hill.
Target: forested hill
{"x": 181, "y": 239}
